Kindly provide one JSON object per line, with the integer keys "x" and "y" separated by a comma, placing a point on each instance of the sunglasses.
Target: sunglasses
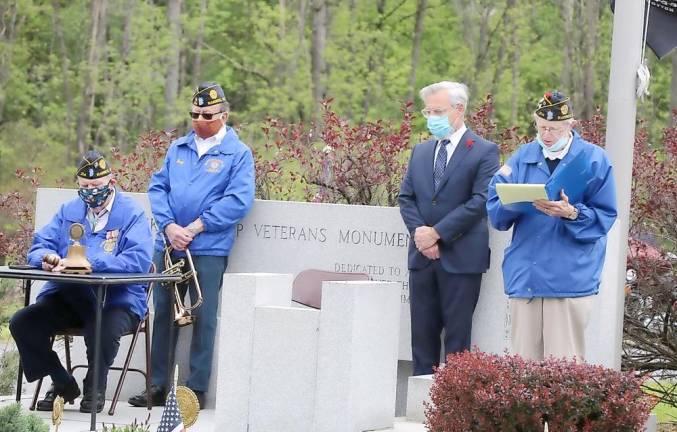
{"x": 206, "y": 116}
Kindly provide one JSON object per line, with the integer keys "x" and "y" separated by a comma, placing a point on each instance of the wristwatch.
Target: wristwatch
{"x": 574, "y": 214}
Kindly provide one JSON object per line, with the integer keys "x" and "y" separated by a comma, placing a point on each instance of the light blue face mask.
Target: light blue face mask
{"x": 439, "y": 126}
{"x": 555, "y": 148}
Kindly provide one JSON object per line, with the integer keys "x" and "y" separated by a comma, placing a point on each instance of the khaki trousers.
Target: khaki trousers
{"x": 542, "y": 327}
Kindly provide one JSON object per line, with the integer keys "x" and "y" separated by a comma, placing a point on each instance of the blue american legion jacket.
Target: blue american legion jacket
{"x": 131, "y": 253}
{"x": 218, "y": 187}
{"x": 548, "y": 256}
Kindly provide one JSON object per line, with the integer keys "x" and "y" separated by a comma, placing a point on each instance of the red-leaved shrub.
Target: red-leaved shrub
{"x": 487, "y": 392}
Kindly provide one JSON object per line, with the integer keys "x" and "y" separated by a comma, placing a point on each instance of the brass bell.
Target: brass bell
{"x": 76, "y": 261}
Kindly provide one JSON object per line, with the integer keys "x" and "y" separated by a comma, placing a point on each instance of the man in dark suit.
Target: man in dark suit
{"x": 443, "y": 204}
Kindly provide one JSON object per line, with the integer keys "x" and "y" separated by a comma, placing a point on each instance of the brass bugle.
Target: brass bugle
{"x": 182, "y": 313}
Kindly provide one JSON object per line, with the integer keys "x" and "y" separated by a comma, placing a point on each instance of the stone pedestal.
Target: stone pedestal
{"x": 357, "y": 363}
{"x": 418, "y": 392}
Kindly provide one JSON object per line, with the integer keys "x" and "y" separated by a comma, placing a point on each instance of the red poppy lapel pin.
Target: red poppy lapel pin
{"x": 469, "y": 143}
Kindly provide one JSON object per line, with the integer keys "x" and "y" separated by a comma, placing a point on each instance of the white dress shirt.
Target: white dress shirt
{"x": 204, "y": 144}
{"x": 454, "y": 139}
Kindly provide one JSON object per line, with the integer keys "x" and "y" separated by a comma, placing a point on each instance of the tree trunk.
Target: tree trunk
{"x": 318, "y": 43}
{"x": 127, "y": 29}
{"x": 121, "y": 134}
{"x": 567, "y": 70}
{"x": 173, "y": 59}
{"x": 416, "y": 48}
{"x": 372, "y": 63}
{"x": 515, "y": 64}
{"x": 673, "y": 102}
{"x": 589, "y": 48}
{"x": 8, "y": 26}
{"x": 283, "y": 19}
{"x": 197, "y": 60}
{"x": 65, "y": 66}
{"x": 96, "y": 43}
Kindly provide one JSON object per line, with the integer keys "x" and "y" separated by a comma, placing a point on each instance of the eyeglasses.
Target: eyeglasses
{"x": 552, "y": 130}
{"x": 427, "y": 112}
{"x": 207, "y": 116}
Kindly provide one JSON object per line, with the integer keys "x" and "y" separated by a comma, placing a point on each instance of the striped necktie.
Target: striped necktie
{"x": 440, "y": 163}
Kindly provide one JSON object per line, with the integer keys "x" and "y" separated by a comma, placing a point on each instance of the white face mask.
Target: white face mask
{"x": 555, "y": 148}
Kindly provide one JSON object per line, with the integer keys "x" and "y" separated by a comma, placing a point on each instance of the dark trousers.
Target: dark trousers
{"x": 440, "y": 300}
{"x": 33, "y": 327}
{"x": 210, "y": 271}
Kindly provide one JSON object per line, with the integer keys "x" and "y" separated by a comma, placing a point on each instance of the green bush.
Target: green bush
{"x": 9, "y": 367}
{"x": 12, "y": 419}
{"x": 134, "y": 427}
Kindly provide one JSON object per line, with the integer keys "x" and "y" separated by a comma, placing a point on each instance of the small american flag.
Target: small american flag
{"x": 171, "y": 420}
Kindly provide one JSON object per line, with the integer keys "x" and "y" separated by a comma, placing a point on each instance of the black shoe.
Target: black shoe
{"x": 69, "y": 392}
{"x": 157, "y": 396}
{"x": 200, "y": 398}
{"x": 87, "y": 403}
{"x": 47, "y": 404}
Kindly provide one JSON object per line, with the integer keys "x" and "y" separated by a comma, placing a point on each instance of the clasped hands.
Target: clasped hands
{"x": 180, "y": 237}
{"x": 425, "y": 239}
{"x": 560, "y": 208}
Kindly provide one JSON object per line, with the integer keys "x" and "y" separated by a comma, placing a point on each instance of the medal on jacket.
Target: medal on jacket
{"x": 111, "y": 239}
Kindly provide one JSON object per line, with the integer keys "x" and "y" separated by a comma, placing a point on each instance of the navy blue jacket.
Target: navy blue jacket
{"x": 457, "y": 210}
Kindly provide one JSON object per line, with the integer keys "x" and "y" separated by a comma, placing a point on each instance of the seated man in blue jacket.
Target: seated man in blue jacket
{"x": 117, "y": 240}
{"x": 551, "y": 270}
{"x": 203, "y": 189}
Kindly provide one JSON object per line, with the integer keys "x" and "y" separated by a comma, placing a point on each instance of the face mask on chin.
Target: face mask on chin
{"x": 555, "y": 148}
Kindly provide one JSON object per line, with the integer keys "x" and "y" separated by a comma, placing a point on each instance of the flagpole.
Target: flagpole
{"x": 626, "y": 49}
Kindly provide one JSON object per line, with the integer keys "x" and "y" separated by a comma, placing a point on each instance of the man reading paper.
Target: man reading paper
{"x": 552, "y": 267}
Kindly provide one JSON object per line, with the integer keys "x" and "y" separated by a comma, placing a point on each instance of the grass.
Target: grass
{"x": 665, "y": 413}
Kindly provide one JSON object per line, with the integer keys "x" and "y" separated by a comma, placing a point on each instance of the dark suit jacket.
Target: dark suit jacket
{"x": 457, "y": 210}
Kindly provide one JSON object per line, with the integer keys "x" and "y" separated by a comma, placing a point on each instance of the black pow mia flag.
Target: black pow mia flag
{"x": 661, "y": 35}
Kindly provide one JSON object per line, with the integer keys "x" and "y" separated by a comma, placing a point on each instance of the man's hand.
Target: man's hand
{"x": 50, "y": 261}
{"x": 433, "y": 252}
{"x": 196, "y": 227}
{"x": 560, "y": 208}
{"x": 425, "y": 237}
{"x": 57, "y": 268}
{"x": 179, "y": 237}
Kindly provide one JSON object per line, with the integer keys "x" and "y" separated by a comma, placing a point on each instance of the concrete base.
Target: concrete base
{"x": 418, "y": 392}
{"x": 651, "y": 424}
{"x": 357, "y": 357}
{"x": 283, "y": 370}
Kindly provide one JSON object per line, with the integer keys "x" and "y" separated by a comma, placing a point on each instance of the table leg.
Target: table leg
{"x": 19, "y": 378}
{"x": 171, "y": 352}
{"x": 97, "y": 356}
